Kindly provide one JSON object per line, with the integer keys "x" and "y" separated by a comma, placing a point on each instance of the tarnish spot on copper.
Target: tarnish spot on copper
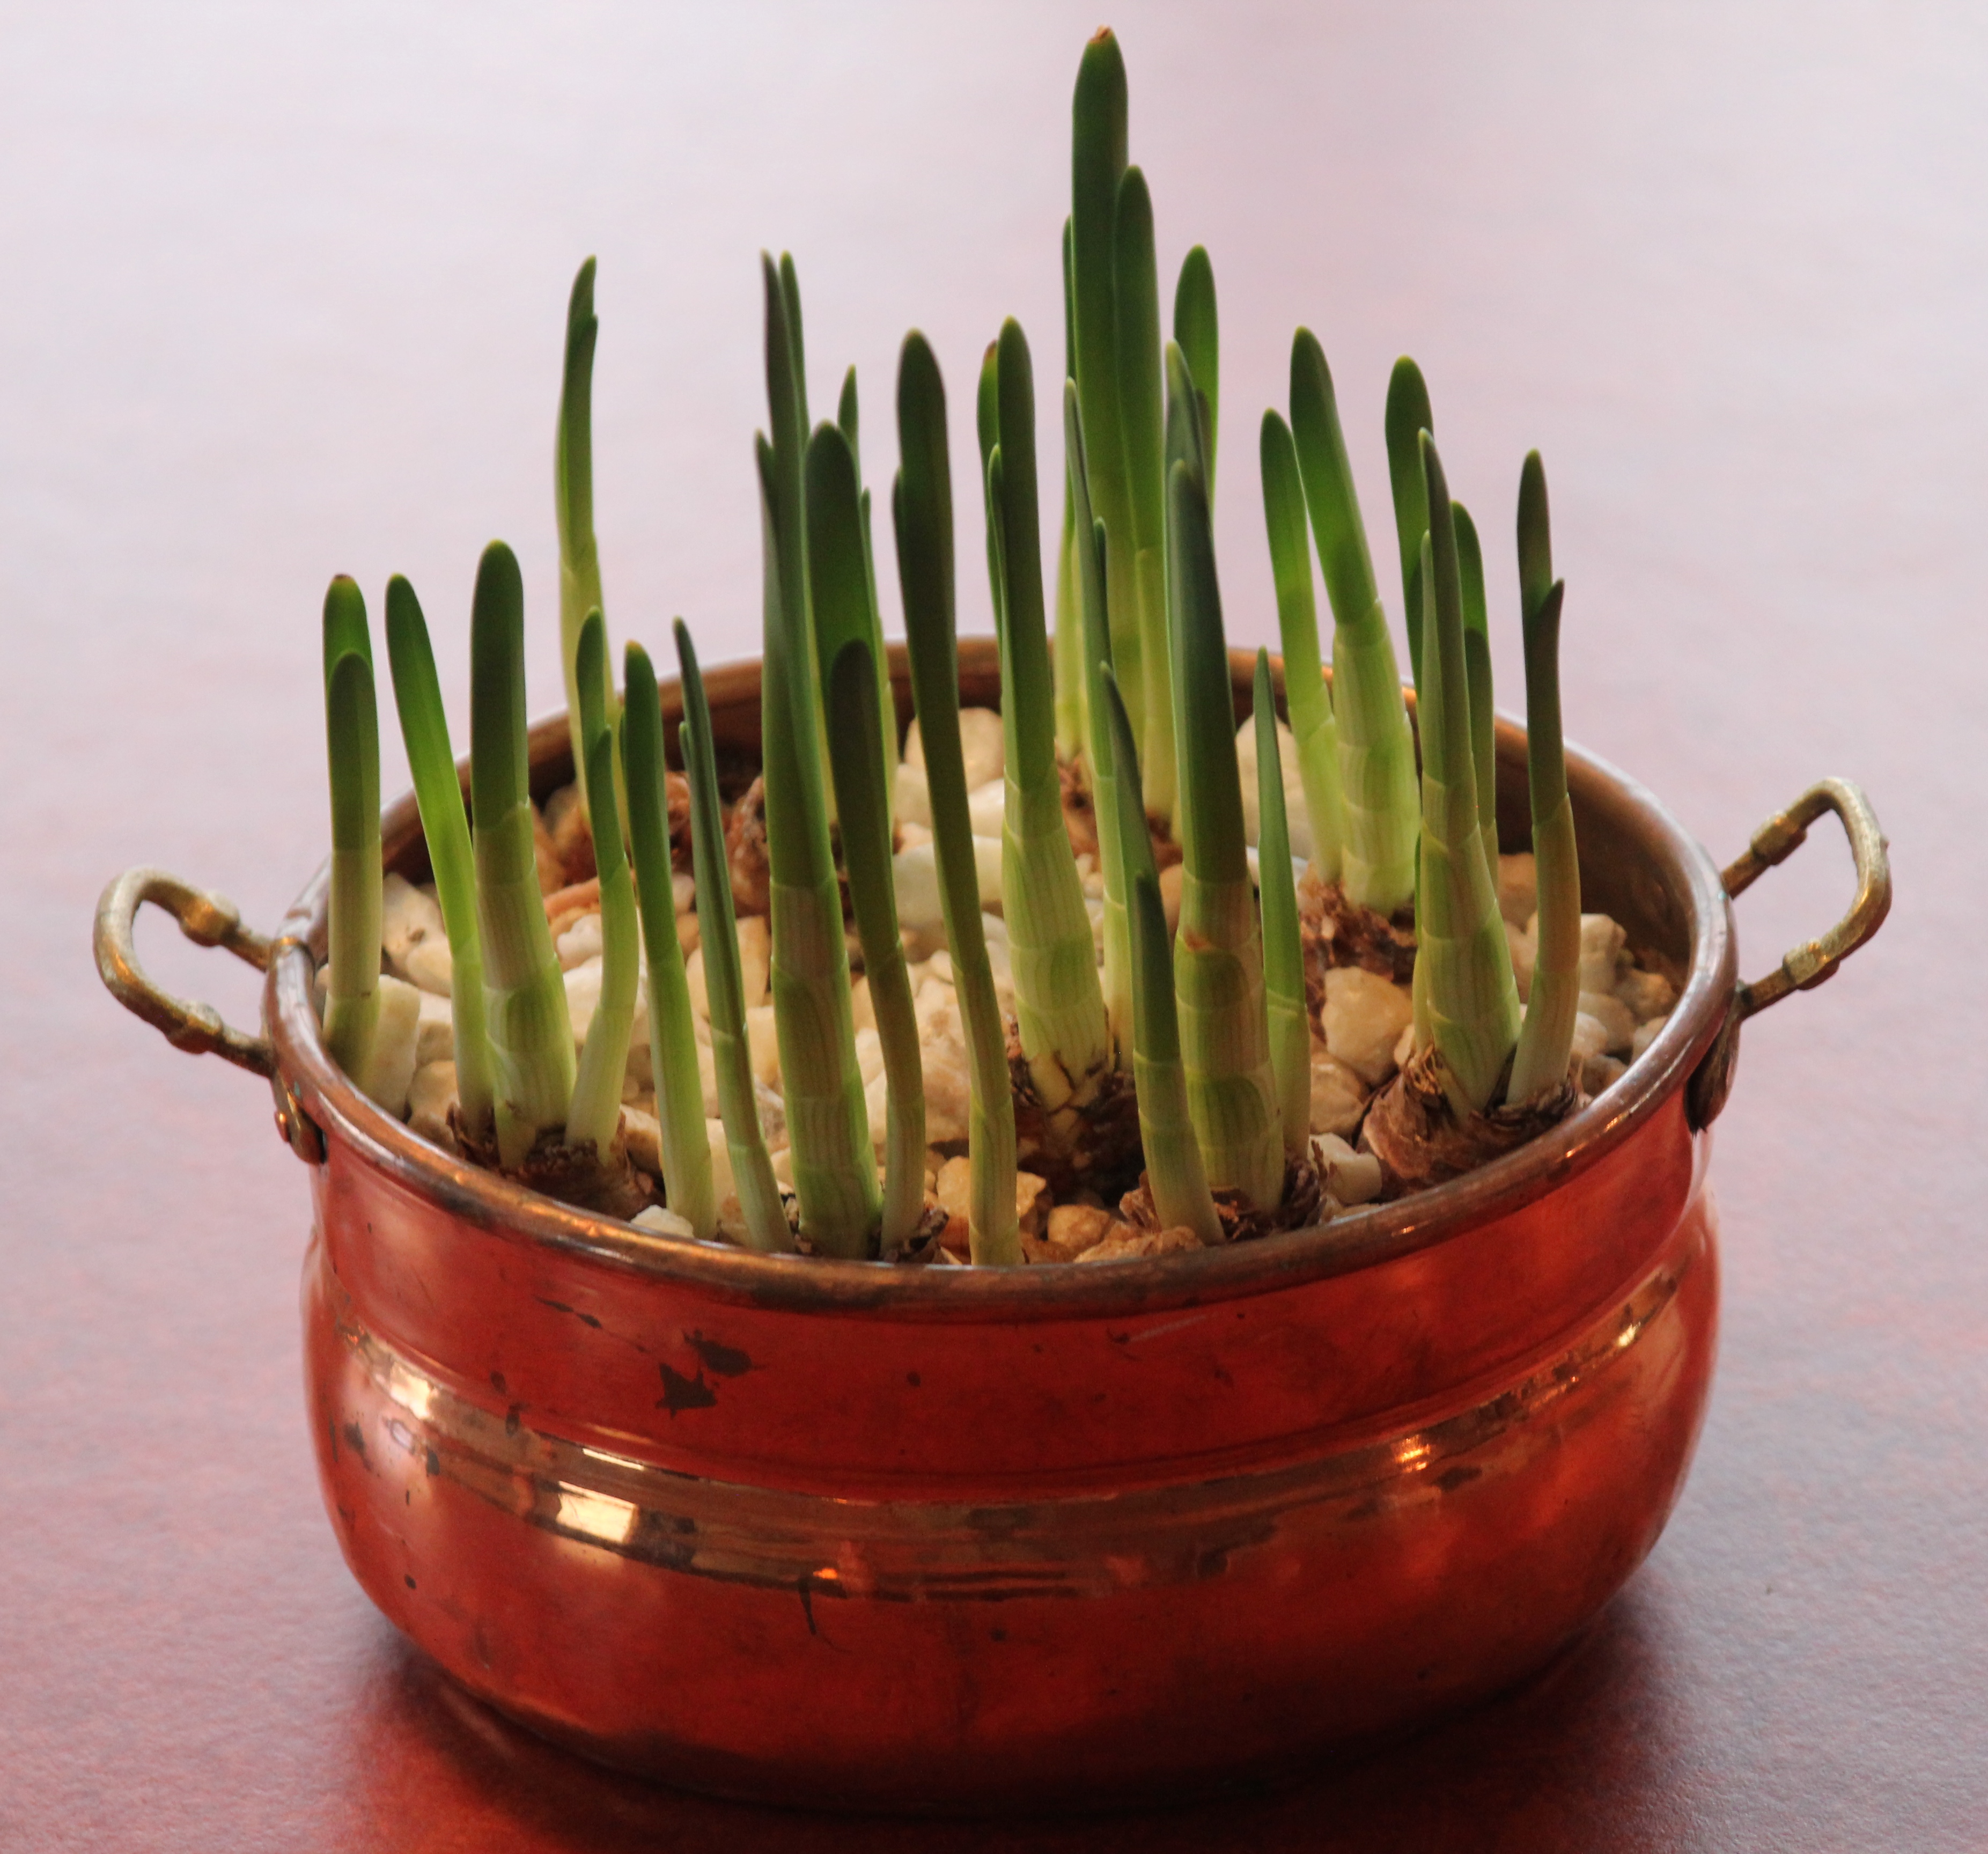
{"x": 682, "y": 1393}
{"x": 726, "y": 1361}
{"x": 585, "y": 1319}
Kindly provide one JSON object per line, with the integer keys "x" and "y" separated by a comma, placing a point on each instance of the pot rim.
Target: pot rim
{"x": 1366, "y": 1237}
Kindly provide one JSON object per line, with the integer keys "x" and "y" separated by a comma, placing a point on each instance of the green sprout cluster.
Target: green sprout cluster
{"x": 1128, "y": 699}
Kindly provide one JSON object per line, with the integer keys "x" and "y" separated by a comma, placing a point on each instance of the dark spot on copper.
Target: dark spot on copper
{"x": 807, "y": 1601}
{"x": 498, "y": 1385}
{"x": 433, "y": 1462}
{"x": 682, "y": 1393}
{"x": 511, "y": 1417}
{"x": 355, "y": 1439}
{"x": 913, "y": 1379}
{"x": 408, "y": 1581}
{"x": 726, "y": 1361}
{"x": 997, "y": 1635}
{"x": 1457, "y": 1477}
{"x": 585, "y": 1319}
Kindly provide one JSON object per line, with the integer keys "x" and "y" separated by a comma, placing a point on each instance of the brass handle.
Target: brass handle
{"x": 1808, "y": 965}
{"x": 206, "y": 919}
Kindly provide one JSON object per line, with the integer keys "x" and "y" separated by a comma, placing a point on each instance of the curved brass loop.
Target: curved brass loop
{"x": 1808, "y": 965}
{"x": 206, "y": 919}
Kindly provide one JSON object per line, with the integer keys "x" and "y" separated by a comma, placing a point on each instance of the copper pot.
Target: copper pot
{"x": 838, "y": 1534}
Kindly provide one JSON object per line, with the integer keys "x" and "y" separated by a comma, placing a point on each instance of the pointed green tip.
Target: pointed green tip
{"x": 1432, "y": 471}
{"x": 580, "y": 305}
{"x": 345, "y": 630}
{"x": 846, "y": 414}
{"x": 1408, "y": 395}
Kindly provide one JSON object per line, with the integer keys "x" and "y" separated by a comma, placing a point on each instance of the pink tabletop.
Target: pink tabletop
{"x": 283, "y": 295}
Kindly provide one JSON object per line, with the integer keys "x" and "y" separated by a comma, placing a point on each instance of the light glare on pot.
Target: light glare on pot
{"x": 595, "y": 1516}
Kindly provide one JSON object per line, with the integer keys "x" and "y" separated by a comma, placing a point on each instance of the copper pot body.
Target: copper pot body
{"x": 841, "y": 1535}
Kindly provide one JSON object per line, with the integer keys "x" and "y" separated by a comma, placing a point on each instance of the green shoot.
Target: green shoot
{"x": 1097, "y": 163}
{"x": 885, "y": 705}
{"x": 987, "y": 428}
{"x": 1472, "y": 1002}
{"x": 1059, "y": 1003}
{"x": 843, "y": 634}
{"x": 1315, "y": 734}
{"x": 686, "y": 1152}
{"x": 1196, "y": 333}
{"x": 921, "y": 508}
{"x": 1092, "y": 553}
{"x": 1408, "y": 415}
{"x": 1477, "y": 669}
{"x": 531, "y": 1036}
{"x": 595, "y": 1111}
{"x": 1219, "y": 963}
{"x": 573, "y": 500}
{"x": 834, "y": 1177}
{"x": 1142, "y": 414}
{"x": 1377, "y": 754}
{"x": 1175, "y": 1174}
{"x": 1545, "y": 1039}
{"x": 760, "y": 1202}
{"x": 352, "y": 740}
{"x": 445, "y": 824}
{"x": 1283, "y": 948}
{"x": 1069, "y": 645}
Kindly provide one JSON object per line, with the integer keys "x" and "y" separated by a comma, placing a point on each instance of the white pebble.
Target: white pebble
{"x": 1647, "y": 994}
{"x": 1338, "y": 1096}
{"x": 1518, "y": 888}
{"x": 583, "y": 995}
{"x": 435, "y": 1036}
{"x": 1297, "y": 819}
{"x": 1364, "y": 1017}
{"x": 914, "y": 874}
{"x": 1646, "y": 1034}
{"x": 942, "y": 1051}
{"x": 429, "y": 966}
{"x": 1599, "y": 1073}
{"x": 580, "y": 942}
{"x": 683, "y": 891}
{"x": 408, "y": 919}
{"x": 663, "y": 1223}
{"x": 979, "y": 745}
{"x": 1613, "y": 1016}
{"x": 986, "y": 808}
{"x": 763, "y": 1037}
{"x": 1601, "y": 942}
{"x": 723, "y": 1181}
{"x": 755, "y": 958}
{"x": 431, "y": 1095}
{"x": 1350, "y": 1176}
{"x": 1525, "y": 952}
{"x": 390, "y": 1064}
{"x": 913, "y": 796}
{"x": 869, "y": 1055}
{"x": 1591, "y": 1037}
{"x": 876, "y": 1105}
{"x": 644, "y": 1133}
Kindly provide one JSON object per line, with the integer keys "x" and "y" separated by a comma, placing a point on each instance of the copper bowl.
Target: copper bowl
{"x": 837, "y": 1534}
